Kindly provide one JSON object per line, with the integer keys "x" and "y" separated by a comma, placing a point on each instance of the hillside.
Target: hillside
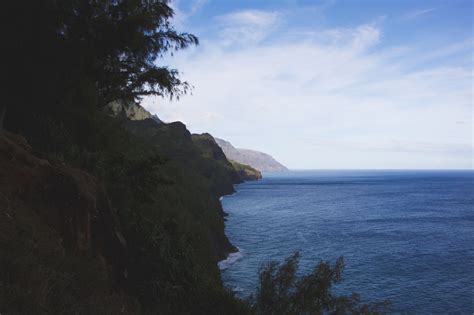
{"x": 258, "y": 160}
{"x": 133, "y": 204}
{"x": 209, "y": 148}
{"x": 62, "y": 248}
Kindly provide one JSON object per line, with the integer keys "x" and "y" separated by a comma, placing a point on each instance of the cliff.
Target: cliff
{"x": 258, "y": 160}
{"x": 191, "y": 174}
{"x": 129, "y": 207}
{"x": 58, "y": 231}
{"x": 245, "y": 171}
{"x": 211, "y": 150}
{"x": 101, "y": 214}
{"x": 130, "y": 110}
{"x": 178, "y": 134}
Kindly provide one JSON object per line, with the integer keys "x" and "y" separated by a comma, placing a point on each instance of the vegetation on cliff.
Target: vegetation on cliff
{"x": 57, "y": 228}
{"x": 211, "y": 150}
{"x": 166, "y": 200}
{"x": 163, "y": 192}
{"x": 246, "y": 171}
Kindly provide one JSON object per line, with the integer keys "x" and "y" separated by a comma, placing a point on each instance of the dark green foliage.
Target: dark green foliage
{"x": 86, "y": 53}
{"x": 246, "y": 172}
{"x": 166, "y": 195}
{"x": 175, "y": 233}
{"x": 281, "y": 291}
{"x": 38, "y": 277}
{"x": 69, "y": 58}
{"x": 114, "y": 44}
{"x": 211, "y": 150}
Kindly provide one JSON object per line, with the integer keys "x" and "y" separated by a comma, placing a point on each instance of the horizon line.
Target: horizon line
{"x": 372, "y": 169}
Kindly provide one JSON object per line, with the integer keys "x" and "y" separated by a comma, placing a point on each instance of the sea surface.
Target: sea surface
{"x": 407, "y": 236}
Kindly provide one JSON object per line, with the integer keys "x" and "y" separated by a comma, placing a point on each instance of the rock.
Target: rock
{"x": 131, "y": 110}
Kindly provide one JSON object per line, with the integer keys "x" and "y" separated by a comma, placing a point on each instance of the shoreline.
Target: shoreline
{"x": 232, "y": 256}
{"x": 230, "y": 259}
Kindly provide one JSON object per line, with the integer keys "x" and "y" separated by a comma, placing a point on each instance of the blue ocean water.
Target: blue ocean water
{"x": 407, "y": 236}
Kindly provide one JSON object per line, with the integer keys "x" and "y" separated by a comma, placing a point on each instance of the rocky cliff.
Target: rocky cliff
{"x": 258, "y": 160}
{"x": 131, "y": 110}
{"x": 206, "y": 143}
{"x": 246, "y": 172}
{"x": 58, "y": 231}
{"x": 63, "y": 246}
{"x": 210, "y": 149}
{"x": 104, "y": 214}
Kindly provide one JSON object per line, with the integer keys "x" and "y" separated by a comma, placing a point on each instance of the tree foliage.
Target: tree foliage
{"x": 118, "y": 42}
{"x": 281, "y": 291}
{"x": 77, "y": 52}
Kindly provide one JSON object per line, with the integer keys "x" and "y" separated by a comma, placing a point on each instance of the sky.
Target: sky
{"x": 330, "y": 84}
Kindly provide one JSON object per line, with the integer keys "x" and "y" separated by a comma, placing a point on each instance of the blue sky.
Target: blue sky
{"x": 330, "y": 84}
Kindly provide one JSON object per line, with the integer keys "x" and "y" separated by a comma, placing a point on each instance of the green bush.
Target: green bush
{"x": 280, "y": 291}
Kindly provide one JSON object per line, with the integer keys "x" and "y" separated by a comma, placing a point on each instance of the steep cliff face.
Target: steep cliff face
{"x": 211, "y": 150}
{"x": 68, "y": 200}
{"x": 193, "y": 174}
{"x": 56, "y": 226}
{"x": 258, "y": 160}
{"x": 59, "y": 229}
{"x": 131, "y": 110}
{"x": 177, "y": 139}
{"x": 246, "y": 172}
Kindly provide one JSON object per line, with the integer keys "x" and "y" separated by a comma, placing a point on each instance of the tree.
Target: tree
{"x": 281, "y": 291}
{"x": 98, "y": 50}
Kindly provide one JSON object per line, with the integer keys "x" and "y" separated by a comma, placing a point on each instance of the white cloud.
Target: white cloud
{"x": 197, "y": 6}
{"x": 181, "y": 16}
{"x": 247, "y": 26}
{"x": 329, "y": 100}
{"x": 414, "y": 14}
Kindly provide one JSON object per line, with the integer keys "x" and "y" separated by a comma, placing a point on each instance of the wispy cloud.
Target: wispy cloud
{"x": 181, "y": 16}
{"x": 364, "y": 107}
{"x": 359, "y": 38}
{"x": 248, "y": 26}
{"x": 414, "y": 14}
{"x": 197, "y": 5}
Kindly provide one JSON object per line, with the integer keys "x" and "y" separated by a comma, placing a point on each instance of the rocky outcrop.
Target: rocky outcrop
{"x": 246, "y": 172}
{"x": 211, "y": 150}
{"x": 131, "y": 110}
{"x": 258, "y": 160}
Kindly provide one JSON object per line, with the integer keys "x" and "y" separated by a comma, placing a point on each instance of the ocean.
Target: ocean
{"x": 407, "y": 236}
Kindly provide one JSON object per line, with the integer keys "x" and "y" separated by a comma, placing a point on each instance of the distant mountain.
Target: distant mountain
{"x": 258, "y": 160}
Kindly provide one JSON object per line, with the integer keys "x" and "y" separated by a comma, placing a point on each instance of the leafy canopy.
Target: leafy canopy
{"x": 107, "y": 47}
{"x": 281, "y": 291}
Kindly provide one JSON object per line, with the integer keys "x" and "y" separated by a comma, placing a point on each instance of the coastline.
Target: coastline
{"x": 236, "y": 254}
{"x": 230, "y": 259}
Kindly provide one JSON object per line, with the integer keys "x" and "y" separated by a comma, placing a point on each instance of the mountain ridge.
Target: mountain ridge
{"x": 261, "y": 161}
